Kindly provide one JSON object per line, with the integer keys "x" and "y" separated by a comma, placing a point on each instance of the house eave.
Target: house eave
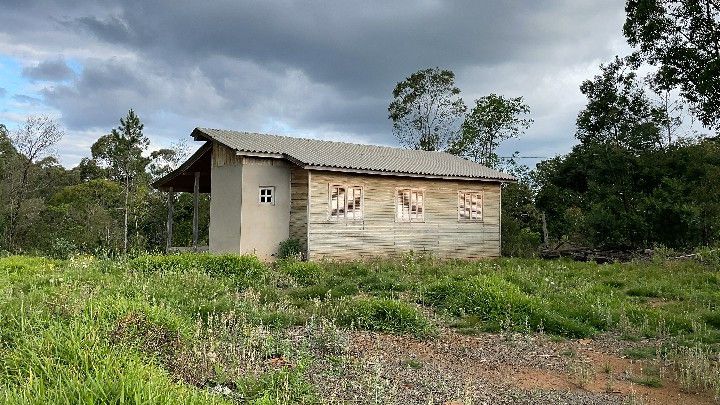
{"x": 400, "y": 174}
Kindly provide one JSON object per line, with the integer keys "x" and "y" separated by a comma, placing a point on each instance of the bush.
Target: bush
{"x": 290, "y": 249}
{"x": 498, "y": 302}
{"x": 61, "y": 248}
{"x": 248, "y": 268}
{"x": 385, "y": 315}
{"x": 709, "y": 256}
{"x": 305, "y": 273}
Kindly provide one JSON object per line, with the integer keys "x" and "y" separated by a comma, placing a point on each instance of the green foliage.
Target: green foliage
{"x": 681, "y": 39}
{"x": 611, "y": 197}
{"x": 426, "y": 108}
{"x": 386, "y": 315}
{"x": 618, "y": 111}
{"x": 494, "y": 119}
{"x": 305, "y": 273}
{"x": 169, "y": 329}
{"x": 290, "y": 249}
{"x": 248, "y": 268}
{"x": 500, "y": 304}
{"x": 521, "y": 221}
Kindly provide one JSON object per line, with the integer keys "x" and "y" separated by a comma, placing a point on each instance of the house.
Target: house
{"x": 339, "y": 200}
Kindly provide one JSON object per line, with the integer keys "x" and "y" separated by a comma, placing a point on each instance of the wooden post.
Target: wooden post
{"x": 169, "y": 220}
{"x": 196, "y": 203}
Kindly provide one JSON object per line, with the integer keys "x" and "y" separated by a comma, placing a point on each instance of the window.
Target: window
{"x": 470, "y": 205}
{"x": 346, "y": 202}
{"x": 267, "y": 195}
{"x": 410, "y": 205}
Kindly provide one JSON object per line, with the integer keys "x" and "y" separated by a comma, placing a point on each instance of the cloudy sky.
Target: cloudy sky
{"x": 312, "y": 68}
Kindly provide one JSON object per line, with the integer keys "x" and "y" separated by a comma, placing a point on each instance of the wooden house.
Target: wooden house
{"x": 339, "y": 200}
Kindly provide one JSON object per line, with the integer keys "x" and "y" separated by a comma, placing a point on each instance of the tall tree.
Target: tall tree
{"x": 426, "y": 109}
{"x": 619, "y": 112}
{"x": 121, "y": 152}
{"x": 681, "y": 38}
{"x": 494, "y": 119}
{"x": 33, "y": 141}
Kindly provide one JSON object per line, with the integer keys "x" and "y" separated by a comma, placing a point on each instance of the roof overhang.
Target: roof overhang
{"x": 400, "y": 174}
{"x": 182, "y": 179}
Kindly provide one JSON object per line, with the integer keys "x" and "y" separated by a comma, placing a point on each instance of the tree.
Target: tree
{"x": 84, "y": 215}
{"x": 493, "y": 120}
{"x": 682, "y": 39}
{"x": 426, "y": 109}
{"x": 618, "y": 111}
{"x": 32, "y": 141}
{"x": 121, "y": 152}
{"x": 163, "y": 161}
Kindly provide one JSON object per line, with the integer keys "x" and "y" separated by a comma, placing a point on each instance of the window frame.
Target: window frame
{"x": 271, "y": 195}
{"x": 410, "y": 190}
{"x": 344, "y": 217}
{"x": 461, "y": 197}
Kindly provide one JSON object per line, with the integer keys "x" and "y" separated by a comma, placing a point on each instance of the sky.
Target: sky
{"x": 315, "y": 69}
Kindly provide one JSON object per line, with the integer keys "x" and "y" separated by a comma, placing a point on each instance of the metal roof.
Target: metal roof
{"x": 317, "y": 154}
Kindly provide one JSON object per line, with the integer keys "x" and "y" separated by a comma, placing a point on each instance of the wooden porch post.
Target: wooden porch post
{"x": 196, "y": 203}
{"x": 169, "y": 220}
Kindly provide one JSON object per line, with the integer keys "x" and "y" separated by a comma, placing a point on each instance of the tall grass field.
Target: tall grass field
{"x": 206, "y": 329}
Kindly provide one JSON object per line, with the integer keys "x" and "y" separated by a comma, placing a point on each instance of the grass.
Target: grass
{"x": 191, "y": 328}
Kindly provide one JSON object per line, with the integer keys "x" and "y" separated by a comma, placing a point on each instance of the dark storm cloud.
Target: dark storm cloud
{"x": 359, "y": 47}
{"x": 315, "y": 69}
{"x": 104, "y": 92}
{"x": 50, "y": 70}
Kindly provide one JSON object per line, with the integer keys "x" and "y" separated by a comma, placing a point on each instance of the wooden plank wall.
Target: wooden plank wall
{"x": 298, "y": 205}
{"x": 378, "y": 234}
{"x": 224, "y": 156}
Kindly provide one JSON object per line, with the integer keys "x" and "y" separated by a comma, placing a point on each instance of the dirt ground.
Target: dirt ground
{"x": 496, "y": 369}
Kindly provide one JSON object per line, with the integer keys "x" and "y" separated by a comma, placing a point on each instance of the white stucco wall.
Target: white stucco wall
{"x": 264, "y": 226}
{"x": 225, "y": 208}
{"x": 239, "y": 223}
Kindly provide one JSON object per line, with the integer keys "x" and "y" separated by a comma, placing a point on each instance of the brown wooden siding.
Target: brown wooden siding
{"x": 379, "y": 234}
{"x": 298, "y": 205}
{"x": 223, "y": 156}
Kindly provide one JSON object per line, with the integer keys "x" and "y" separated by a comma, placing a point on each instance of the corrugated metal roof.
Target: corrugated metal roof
{"x": 353, "y": 157}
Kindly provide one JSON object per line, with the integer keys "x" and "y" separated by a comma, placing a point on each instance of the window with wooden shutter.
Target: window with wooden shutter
{"x": 470, "y": 205}
{"x": 410, "y": 205}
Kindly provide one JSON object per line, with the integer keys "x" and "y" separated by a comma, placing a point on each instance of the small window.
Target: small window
{"x": 267, "y": 195}
{"x": 346, "y": 202}
{"x": 410, "y": 205}
{"x": 470, "y": 206}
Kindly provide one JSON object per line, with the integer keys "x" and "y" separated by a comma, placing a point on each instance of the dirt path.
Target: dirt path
{"x": 492, "y": 368}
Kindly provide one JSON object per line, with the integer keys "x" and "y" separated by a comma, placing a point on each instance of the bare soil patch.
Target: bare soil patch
{"x": 497, "y": 368}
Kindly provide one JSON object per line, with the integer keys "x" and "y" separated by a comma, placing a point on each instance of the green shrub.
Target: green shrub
{"x": 305, "y": 273}
{"x": 290, "y": 249}
{"x": 385, "y": 315}
{"x": 712, "y": 319}
{"x": 248, "y": 268}
{"x": 500, "y": 303}
{"x": 709, "y": 256}
{"x": 61, "y": 248}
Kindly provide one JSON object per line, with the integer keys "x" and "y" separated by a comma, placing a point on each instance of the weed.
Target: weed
{"x": 382, "y": 315}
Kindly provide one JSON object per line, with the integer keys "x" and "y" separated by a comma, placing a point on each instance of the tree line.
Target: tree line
{"x": 104, "y": 205}
{"x": 641, "y": 174}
